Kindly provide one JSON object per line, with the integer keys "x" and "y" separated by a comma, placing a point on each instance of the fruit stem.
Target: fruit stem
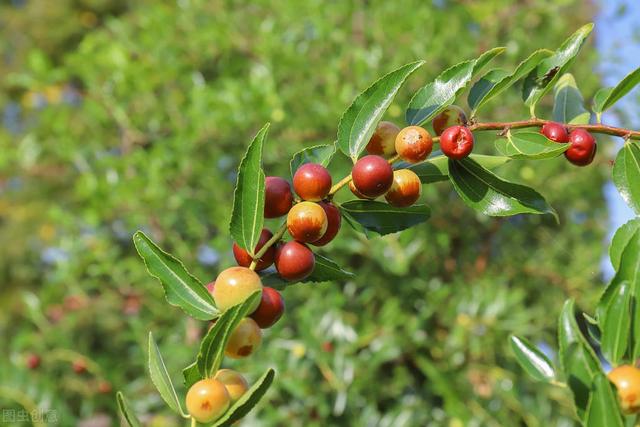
{"x": 272, "y": 241}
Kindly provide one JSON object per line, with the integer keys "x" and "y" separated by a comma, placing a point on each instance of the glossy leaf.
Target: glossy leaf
{"x": 492, "y": 88}
{"x": 321, "y": 154}
{"x": 325, "y": 270}
{"x": 547, "y": 72}
{"x": 247, "y": 401}
{"x": 125, "y": 410}
{"x": 247, "y": 216}
{"x": 160, "y": 377}
{"x": 483, "y": 87}
{"x": 620, "y": 240}
{"x": 181, "y": 288}
{"x": 578, "y": 360}
{"x": 532, "y": 360}
{"x": 213, "y": 344}
{"x": 439, "y": 94}
{"x": 568, "y": 104}
{"x": 191, "y": 375}
{"x": 437, "y": 168}
{"x": 616, "y": 324}
{"x": 607, "y": 97}
{"x": 488, "y": 194}
{"x": 626, "y": 174}
{"x": 529, "y": 145}
{"x": 603, "y": 409}
{"x": 359, "y": 121}
{"x": 375, "y": 218}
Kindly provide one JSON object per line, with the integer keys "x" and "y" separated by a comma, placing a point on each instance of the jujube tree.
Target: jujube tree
{"x": 393, "y": 162}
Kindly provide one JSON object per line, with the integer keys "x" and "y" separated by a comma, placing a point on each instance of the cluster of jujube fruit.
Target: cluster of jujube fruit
{"x": 582, "y": 148}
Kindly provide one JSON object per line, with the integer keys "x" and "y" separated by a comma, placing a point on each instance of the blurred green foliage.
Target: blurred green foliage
{"x": 121, "y": 116}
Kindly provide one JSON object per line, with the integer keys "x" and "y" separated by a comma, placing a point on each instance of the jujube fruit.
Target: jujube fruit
{"x": 235, "y": 383}
{"x": 334, "y": 220}
{"x": 456, "y": 142}
{"x": 414, "y": 144}
{"x": 207, "y": 400}
{"x": 383, "y": 140}
{"x": 234, "y": 285}
{"x": 627, "y": 381}
{"x": 555, "y": 132}
{"x": 270, "y": 309}
{"x": 582, "y": 148}
{"x": 451, "y": 116}
{"x": 372, "y": 176}
{"x": 307, "y": 222}
{"x": 294, "y": 261}
{"x": 312, "y": 182}
{"x": 244, "y": 259}
{"x": 33, "y": 361}
{"x": 405, "y": 190}
{"x": 244, "y": 340}
{"x": 357, "y": 193}
{"x": 278, "y": 198}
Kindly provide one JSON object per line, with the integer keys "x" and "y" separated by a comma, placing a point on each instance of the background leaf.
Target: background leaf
{"x": 603, "y": 410}
{"x": 381, "y": 218}
{"x": 605, "y": 98}
{"x": 529, "y": 145}
{"x": 547, "y": 72}
{"x": 181, "y": 288}
{"x": 247, "y": 216}
{"x": 248, "y": 400}
{"x": 161, "y": 379}
{"x": 493, "y": 89}
{"x": 490, "y": 195}
{"x": 439, "y": 94}
{"x": 626, "y": 174}
{"x": 578, "y": 360}
{"x": 359, "y": 121}
{"x": 568, "y": 104}
{"x": 126, "y": 411}
{"x": 321, "y": 154}
{"x": 532, "y": 360}
{"x": 213, "y": 344}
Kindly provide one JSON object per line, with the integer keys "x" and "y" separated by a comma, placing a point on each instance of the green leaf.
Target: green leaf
{"x": 359, "y": 121}
{"x": 433, "y": 98}
{"x": 568, "y": 106}
{"x": 191, "y": 375}
{"x": 578, "y": 360}
{"x": 321, "y": 154}
{"x": 125, "y": 410}
{"x": 213, "y": 344}
{"x": 605, "y": 98}
{"x": 532, "y": 360}
{"x": 180, "y": 287}
{"x": 621, "y": 239}
{"x": 490, "y": 89}
{"x": 436, "y": 168}
{"x": 490, "y": 195}
{"x": 626, "y": 174}
{"x": 603, "y": 409}
{"x": 600, "y": 98}
{"x": 160, "y": 378}
{"x": 247, "y": 216}
{"x": 547, "y": 72}
{"x": 529, "y": 145}
{"x": 482, "y": 88}
{"x": 381, "y": 218}
{"x": 325, "y": 270}
{"x": 248, "y": 400}
{"x": 616, "y": 324}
